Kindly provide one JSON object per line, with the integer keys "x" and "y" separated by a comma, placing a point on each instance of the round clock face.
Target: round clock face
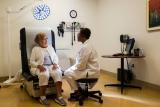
{"x": 73, "y": 14}
{"x": 41, "y": 12}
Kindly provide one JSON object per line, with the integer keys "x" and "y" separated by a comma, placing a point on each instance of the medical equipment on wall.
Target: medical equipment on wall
{"x": 61, "y": 29}
{"x": 72, "y": 27}
{"x": 73, "y": 32}
{"x": 75, "y": 28}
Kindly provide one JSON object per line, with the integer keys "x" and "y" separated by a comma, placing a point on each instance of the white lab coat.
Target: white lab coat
{"x": 86, "y": 62}
{"x": 37, "y": 58}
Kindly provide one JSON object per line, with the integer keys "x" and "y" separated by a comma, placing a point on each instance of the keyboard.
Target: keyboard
{"x": 118, "y": 54}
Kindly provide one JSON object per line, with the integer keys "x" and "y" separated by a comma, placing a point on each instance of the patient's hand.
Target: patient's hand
{"x": 41, "y": 68}
{"x": 55, "y": 66}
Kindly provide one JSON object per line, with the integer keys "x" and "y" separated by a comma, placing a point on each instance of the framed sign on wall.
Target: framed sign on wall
{"x": 153, "y": 14}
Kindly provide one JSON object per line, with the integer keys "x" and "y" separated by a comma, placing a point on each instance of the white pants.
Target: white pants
{"x": 71, "y": 76}
{"x": 44, "y": 76}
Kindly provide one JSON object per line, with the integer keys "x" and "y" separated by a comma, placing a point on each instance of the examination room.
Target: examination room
{"x": 79, "y": 53}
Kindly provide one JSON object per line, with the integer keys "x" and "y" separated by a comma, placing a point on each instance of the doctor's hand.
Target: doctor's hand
{"x": 41, "y": 68}
{"x": 55, "y": 66}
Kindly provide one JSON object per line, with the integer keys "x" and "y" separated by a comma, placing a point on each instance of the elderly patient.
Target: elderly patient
{"x": 44, "y": 63}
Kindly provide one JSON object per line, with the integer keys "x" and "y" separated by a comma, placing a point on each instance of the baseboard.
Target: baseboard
{"x": 109, "y": 73}
{"x": 146, "y": 84}
{"x": 136, "y": 81}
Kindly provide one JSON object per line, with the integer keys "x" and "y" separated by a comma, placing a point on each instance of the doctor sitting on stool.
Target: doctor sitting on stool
{"x": 86, "y": 62}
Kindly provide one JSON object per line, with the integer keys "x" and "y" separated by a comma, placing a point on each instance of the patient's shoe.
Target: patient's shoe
{"x": 44, "y": 101}
{"x": 60, "y": 101}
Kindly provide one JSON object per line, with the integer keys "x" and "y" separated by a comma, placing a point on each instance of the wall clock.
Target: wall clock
{"x": 73, "y": 13}
{"x": 41, "y": 11}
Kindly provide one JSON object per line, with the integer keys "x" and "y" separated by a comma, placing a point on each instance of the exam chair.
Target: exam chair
{"x": 31, "y": 84}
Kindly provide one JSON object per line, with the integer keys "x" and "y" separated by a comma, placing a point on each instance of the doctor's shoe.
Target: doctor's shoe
{"x": 74, "y": 96}
{"x": 44, "y": 101}
{"x": 60, "y": 101}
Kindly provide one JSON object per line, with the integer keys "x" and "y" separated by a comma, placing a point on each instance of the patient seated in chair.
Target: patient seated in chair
{"x": 44, "y": 63}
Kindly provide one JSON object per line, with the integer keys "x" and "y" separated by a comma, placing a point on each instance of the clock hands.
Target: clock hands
{"x": 41, "y": 12}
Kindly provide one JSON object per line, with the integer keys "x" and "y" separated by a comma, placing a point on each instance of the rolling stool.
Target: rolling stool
{"x": 83, "y": 92}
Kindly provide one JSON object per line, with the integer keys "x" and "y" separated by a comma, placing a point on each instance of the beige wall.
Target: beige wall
{"x": 116, "y": 17}
{"x": 107, "y": 20}
{"x": 59, "y": 12}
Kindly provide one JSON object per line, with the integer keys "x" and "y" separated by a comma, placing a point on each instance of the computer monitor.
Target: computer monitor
{"x": 129, "y": 46}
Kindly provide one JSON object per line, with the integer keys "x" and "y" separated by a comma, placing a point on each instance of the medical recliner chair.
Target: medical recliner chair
{"x": 31, "y": 83}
